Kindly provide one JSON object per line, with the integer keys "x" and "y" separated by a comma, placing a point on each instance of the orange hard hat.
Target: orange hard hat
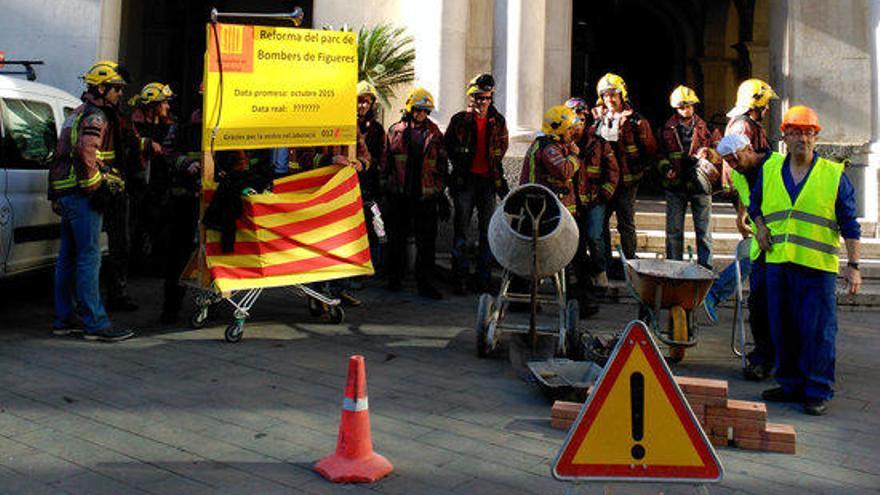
{"x": 800, "y": 116}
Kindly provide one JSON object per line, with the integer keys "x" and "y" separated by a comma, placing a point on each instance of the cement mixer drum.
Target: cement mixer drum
{"x": 510, "y": 232}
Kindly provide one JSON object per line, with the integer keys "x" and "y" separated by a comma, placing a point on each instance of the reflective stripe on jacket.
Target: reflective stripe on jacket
{"x": 550, "y": 162}
{"x": 805, "y": 233}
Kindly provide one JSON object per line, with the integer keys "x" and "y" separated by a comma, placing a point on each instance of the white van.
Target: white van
{"x": 31, "y": 115}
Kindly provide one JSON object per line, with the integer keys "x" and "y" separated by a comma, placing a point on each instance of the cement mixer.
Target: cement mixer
{"x": 533, "y": 237}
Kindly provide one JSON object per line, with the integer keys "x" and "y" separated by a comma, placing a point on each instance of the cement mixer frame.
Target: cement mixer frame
{"x": 540, "y": 205}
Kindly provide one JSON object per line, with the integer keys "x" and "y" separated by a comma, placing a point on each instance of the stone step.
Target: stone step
{"x": 654, "y": 241}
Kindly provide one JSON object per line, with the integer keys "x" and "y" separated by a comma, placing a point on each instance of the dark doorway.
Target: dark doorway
{"x": 164, "y": 40}
{"x": 650, "y": 43}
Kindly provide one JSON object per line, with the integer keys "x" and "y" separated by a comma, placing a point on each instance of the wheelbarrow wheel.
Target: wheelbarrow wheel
{"x": 316, "y": 307}
{"x": 199, "y": 318}
{"x": 485, "y": 308}
{"x": 234, "y": 332}
{"x": 574, "y": 345}
{"x": 335, "y": 314}
{"x": 679, "y": 333}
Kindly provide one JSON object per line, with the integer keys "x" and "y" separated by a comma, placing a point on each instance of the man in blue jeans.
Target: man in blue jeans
{"x": 737, "y": 151}
{"x": 81, "y": 184}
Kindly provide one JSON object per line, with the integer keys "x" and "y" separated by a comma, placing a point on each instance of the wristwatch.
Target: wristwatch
{"x": 853, "y": 264}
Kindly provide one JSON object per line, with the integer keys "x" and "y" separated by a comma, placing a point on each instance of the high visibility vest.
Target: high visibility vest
{"x": 741, "y": 184}
{"x": 807, "y": 232}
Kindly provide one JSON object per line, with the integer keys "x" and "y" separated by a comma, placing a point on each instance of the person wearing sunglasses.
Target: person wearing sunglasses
{"x": 476, "y": 142}
{"x": 83, "y": 183}
{"x": 802, "y": 204}
{"x": 414, "y": 175}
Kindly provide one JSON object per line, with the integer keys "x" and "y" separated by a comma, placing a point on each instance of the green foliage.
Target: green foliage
{"x": 385, "y": 58}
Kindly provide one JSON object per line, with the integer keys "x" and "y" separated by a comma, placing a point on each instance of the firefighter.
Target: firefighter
{"x": 752, "y": 104}
{"x": 688, "y": 168}
{"x": 374, "y": 139}
{"x": 595, "y": 183}
{"x": 552, "y": 158}
{"x": 476, "y": 141}
{"x": 82, "y": 183}
{"x": 149, "y": 188}
{"x": 415, "y": 175}
{"x": 634, "y": 147}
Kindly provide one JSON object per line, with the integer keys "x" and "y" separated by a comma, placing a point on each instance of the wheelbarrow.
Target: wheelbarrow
{"x": 533, "y": 237}
{"x": 677, "y": 287}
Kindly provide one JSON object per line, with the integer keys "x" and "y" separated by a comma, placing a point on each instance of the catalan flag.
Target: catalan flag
{"x": 309, "y": 229}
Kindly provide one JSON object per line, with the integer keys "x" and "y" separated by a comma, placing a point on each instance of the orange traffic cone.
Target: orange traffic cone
{"x": 354, "y": 460}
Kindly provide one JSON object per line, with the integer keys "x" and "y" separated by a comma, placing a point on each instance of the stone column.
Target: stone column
{"x": 111, "y": 24}
{"x": 518, "y": 60}
{"x": 872, "y": 189}
{"x": 440, "y": 31}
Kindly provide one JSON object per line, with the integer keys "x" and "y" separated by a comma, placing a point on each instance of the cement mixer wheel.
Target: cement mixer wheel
{"x": 485, "y": 310}
{"x": 574, "y": 344}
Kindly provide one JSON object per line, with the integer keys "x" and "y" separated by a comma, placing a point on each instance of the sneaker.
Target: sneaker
{"x": 816, "y": 407}
{"x": 779, "y": 394}
{"x": 709, "y": 305}
{"x": 67, "y": 331}
{"x": 349, "y": 299}
{"x": 124, "y": 303}
{"x": 109, "y": 335}
{"x": 757, "y": 372}
{"x": 430, "y": 292}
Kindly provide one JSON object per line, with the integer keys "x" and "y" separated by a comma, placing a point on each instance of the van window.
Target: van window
{"x": 29, "y": 134}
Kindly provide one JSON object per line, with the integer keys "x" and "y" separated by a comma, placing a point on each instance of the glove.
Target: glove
{"x": 444, "y": 208}
{"x": 503, "y": 189}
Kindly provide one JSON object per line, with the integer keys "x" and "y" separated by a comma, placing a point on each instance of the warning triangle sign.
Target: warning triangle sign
{"x": 636, "y": 425}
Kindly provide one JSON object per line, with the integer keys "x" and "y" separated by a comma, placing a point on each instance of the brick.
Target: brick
{"x": 718, "y": 441}
{"x": 706, "y": 400}
{"x": 566, "y": 410}
{"x": 739, "y": 425}
{"x": 772, "y": 432}
{"x": 721, "y": 431}
{"x": 739, "y": 409}
{"x": 560, "y": 424}
{"x": 767, "y": 446}
{"x": 702, "y": 386}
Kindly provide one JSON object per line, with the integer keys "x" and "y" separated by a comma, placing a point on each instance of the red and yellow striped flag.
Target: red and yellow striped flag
{"x": 309, "y": 229}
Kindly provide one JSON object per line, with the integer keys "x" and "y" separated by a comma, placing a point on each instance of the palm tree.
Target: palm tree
{"x": 385, "y": 58}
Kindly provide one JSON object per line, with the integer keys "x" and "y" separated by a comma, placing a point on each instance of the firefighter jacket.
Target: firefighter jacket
{"x": 748, "y": 127}
{"x": 374, "y": 139}
{"x": 312, "y": 157}
{"x": 683, "y": 162}
{"x": 461, "y": 144}
{"x": 433, "y": 175}
{"x": 599, "y": 174}
{"x": 91, "y": 146}
{"x": 631, "y": 139}
{"x": 550, "y": 162}
{"x": 186, "y": 150}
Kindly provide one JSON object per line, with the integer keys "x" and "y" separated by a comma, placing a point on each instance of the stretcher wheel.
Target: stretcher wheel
{"x": 335, "y": 314}
{"x": 679, "y": 333}
{"x": 574, "y": 346}
{"x": 234, "y": 332}
{"x": 199, "y": 318}
{"x": 485, "y": 308}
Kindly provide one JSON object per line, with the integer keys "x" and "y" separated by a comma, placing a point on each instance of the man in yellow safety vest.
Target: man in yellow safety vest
{"x": 801, "y": 205}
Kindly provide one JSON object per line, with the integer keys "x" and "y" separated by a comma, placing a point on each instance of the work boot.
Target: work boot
{"x": 109, "y": 335}
{"x": 816, "y": 407}
{"x": 122, "y": 303}
{"x": 349, "y": 299}
{"x": 779, "y": 394}
{"x": 757, "y": 372}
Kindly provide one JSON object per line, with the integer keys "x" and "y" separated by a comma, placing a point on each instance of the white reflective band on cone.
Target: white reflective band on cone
{"x": 355, "y": 404}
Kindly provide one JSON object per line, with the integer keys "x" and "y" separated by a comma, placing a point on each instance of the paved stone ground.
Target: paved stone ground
{"x": 177, "y": 411}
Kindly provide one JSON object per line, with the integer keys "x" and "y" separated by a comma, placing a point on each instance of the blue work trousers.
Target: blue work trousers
{"x": 725, "y": 285}
{"x": 77, "y": 291}
{"x": 802, "y": 310}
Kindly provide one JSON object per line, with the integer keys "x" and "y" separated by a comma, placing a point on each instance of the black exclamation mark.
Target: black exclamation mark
{"x": 637, "y": 404}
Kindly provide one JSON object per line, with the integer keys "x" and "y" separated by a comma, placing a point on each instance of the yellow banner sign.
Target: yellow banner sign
{"x": 279, "y": 87}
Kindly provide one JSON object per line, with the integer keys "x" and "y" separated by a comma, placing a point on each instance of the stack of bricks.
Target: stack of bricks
{"x": 563, "y": 414}
{"x": 727, "y": 422}
{"x": 734, "y": 423}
